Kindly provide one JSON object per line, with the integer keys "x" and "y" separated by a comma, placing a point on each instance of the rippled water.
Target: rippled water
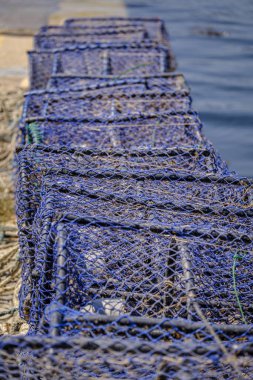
{"x": 219, "y": 69}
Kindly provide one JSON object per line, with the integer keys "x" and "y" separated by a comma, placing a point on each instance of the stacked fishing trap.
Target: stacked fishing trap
{"x": 135, "y": 238}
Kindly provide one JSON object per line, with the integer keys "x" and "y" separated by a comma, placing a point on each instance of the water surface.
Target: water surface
{"x": 219, "y": 68}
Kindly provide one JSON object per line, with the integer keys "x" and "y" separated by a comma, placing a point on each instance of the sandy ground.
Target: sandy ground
{"x": 19, "y": 21}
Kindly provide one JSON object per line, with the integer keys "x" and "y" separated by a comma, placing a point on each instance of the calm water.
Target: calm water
{"x": 219, "y": 69}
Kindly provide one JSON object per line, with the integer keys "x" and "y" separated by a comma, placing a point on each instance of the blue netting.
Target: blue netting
{"x": 37, "y": 161}
{"x": 150, "y": 130}
{"x": 99, "y": 59}
{"x": 190, "y": 356}
{"x": 150, "y": 180}
{"x": 120, "y": 268}
{"x": 135, "y": 237}
{"x": 155, "y": 27}
{"x": 108, "y": 84}
{"x": 65, "y": 37}
{"x": 67, "y": 104}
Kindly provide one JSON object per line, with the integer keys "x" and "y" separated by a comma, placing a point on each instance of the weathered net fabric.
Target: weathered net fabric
{"x": 135, "y": 237}
{"x": 82, "y": 29}
{"x": 154, "y": 26}
{"x": 68, "y": 104}
{"x": 175, "y": 164}
{"x": 34, "y": 161}
{"x": 142, "y": 358}
{"x": 37, "y": 161}
{"x": 150, "y": 130}
{"x": 99, "y": 59}
{"x": 108, "y": 83}
{"x": 150, "y": 188}
{"x": 66, "y": 38}
{"x": 108, "y": 31}
{"x": 154, "y": 264}
{"x": 137, "y": 30}
{"x": 110, "y": 98}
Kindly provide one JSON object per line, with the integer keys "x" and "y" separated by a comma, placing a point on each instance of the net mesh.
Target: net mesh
{"x": 154, "y": 26}
{"x": 99, "y": 59}
{"x": 132, "y": 131}
{"x": 188, "y": 190}
{"x": 107, "y": 30}
{"x": 162, "y": 82}
{"x": 51, "y": 40}
{"x": 117, "y": 103}
{"x": 124, "y": 358}
{"x": 135, "y": 237}
{"x": 152, "y": 269}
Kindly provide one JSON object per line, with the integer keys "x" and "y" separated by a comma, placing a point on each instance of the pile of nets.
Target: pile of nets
{"x": 135, "y": 237}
